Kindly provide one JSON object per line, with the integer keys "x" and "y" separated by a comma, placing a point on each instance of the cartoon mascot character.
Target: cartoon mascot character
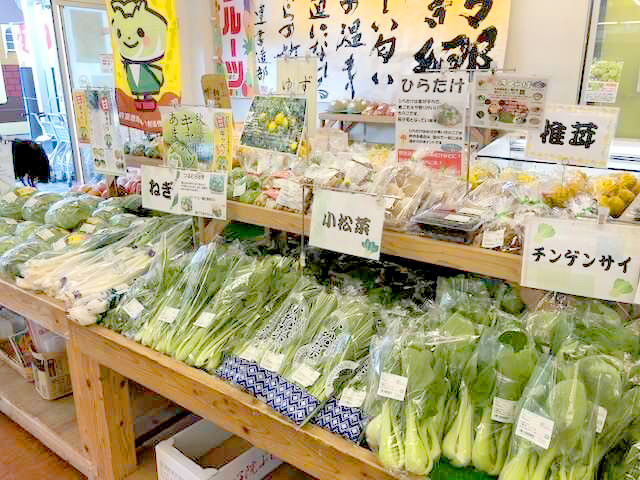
{"x": 141, "y": 34}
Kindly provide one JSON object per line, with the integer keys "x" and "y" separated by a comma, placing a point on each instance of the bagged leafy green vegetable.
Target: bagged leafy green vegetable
{"x": 71, "y": 212}
{"x": 7, "y": 226}
{"x": 12, "y": 260}
{"x": 48, "y": 234}
{"x": 106, "y": 213}
{"x": 7, "y": 242}
{"x": 11, "y": 203}
{"x": 25, "y": 229}
{"x": 124, "y": 220}
{"x": 35, "y": 208}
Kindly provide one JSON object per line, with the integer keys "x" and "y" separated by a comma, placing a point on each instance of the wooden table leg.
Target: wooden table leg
{"x": 103, "y": 411}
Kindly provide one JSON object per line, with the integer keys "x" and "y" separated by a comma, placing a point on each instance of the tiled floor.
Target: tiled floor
{"x": 23, "y": 457}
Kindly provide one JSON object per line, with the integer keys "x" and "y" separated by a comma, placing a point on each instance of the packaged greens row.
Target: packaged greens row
{"x": 470, "y": 376}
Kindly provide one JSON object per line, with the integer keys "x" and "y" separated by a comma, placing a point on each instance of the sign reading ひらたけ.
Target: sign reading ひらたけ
{"x": 345, "y": 222}
{"x": 185, "y": 192}
{"x": 582, "y": 258}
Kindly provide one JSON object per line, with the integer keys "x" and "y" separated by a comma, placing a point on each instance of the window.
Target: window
{"x": 9, "y": 42}
{"x": 612, "y": 70}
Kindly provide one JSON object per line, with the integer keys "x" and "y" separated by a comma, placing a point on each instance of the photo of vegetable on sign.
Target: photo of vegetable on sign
{"x": 345, "y": 222}
{"x": 185, "y": 192}
{"x": 582, "y": 258}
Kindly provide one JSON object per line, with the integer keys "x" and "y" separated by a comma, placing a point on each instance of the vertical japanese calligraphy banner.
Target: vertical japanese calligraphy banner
{"x": 236, "y": 45}
{"x": 575, "y": 135}
{"x": 185, "y": 192}
{"x": 296, "y": 77}
{"x": 106, "y": 143}
{"x": 365, "y": 47}
{"x": 146, "y": 68}
{"x": 431, "y": 119}
{"x": 582, "y": 258}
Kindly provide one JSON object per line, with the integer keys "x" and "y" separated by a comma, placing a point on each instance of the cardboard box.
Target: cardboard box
{"x": 206, "y": 452}
{"x": 51, "y": 374}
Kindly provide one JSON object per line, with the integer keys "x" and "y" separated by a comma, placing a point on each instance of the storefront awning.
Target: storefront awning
{"x": 10, "y": 12}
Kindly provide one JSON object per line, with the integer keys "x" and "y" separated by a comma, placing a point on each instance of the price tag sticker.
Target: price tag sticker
{"x": 10, "y": 197}
{"x": 535, "y": 428}
{"x": 393, "y": 386}
{"x": 251, "y": 353}
{"x": 169, "y": 315}
{"x": 493, "y": 238}
{"x": 10, "y": 221}
{"x": 60, "y": 245}
{"x": 458, "y": 218}
{"x": 272, "y": 361}
{"x": 239, "y": 188}
{"x": 305, "y": 375}
{"x": 472, "y": 211}
{"x": 601, "y": 419}
{"x": 503, "y": 411}
{"x": 352, "y": 398}
{"x": 134, "y": 308}
{"x": 205, "y": 320}
{"x": 31, "y": 202}
{"x": 88, "y": 228}
{"x": 45, "y": 234}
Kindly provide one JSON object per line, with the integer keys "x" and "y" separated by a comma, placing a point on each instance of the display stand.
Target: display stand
{"x": 348, "y": 120}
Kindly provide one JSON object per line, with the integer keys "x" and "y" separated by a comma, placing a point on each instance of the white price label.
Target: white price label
{"x": 535, "y": 428}
{"x": 389, "y": 202}
{"x": 393, "y": 386}
{"x": 601, "y": 419}
{"x": 290, "y": 196}
{"x": 493, "y": 238}
{"x": 352, "y": 398}
{"x": 239, "y": 188}
{"x": 251, "y": 353}
{"x": 503, "y": 411}
{"x": 272, "y": 361}
{"x": 134, "y": 308}
{"x": 305, "y": 375}
{"x": 88, "y": 228}
{"x": 45, "y": 234}
{"x": 169, "y": 315}
{"x": 31, "y": 202}
{"x": 120, "y": 289}
{"x": 10, "y": 197}
{"x": 60, "y": 245}
{"x": 458, "y": 218}
{"x": 472, "y": 211}
{"x": 10, "y": 221}
{"x": 205, "y": 320}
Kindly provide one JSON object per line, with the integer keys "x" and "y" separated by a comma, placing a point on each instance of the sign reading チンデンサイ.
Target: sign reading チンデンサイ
{"x": 146, "y": 63}
{"x": 364, "y": 48}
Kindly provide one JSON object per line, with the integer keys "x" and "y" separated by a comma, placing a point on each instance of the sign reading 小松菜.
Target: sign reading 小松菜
{"x": 346, "y": 222}
{"x": 185, "y": 192}
{"x": 582, "y": 258}
{"x": 575, "y": 135}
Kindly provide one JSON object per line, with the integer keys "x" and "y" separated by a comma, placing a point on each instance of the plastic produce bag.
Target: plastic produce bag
{"x": 7, "y": 226}
{"x": 25, "y": 229}
{"x": 48, "y": 234}
{"x": 11, "y": 203}
{"x": 7, "y": 242}
{"x": 12, "y": 260}
{"x": 35, "y": 208}
{"x": 71, "y": 212}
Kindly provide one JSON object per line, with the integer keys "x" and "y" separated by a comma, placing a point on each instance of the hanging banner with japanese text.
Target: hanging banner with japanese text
{"x": 144, "y": 34}
{"x": 365, "y": 47}
{"x": 430, "y": 119}
{"x": 236, "y": 45}
{"x": 582, "y": 258}
{"x": 81, "y": 114}
{"x": 575, "y": 135}
{"x": 185, "y": 192}
{"x": 107, "y": 147}
{"x": 346, "y": 222}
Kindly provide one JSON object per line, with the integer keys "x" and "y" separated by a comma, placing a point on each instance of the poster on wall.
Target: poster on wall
{"x": 430, "y": 119}
{"x": 215, "y": 90}
{"x": 146, "y": 67}
{"x": 275, "y": 123}
{"x": 575, "y": 135}
{"x": 296, "y": 77}
{"x": 106, "y": 143}
{"x": 234, "y": 45}
{"x": 604, "y": 82}
{"x": 508, "y": 101}
{"x": 365, "y": 48}
{"x": 81, "y": 113}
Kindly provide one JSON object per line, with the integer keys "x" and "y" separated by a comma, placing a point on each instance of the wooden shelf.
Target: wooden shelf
{"x": 137, "y": 161}
{"x": 41, "y": 309}
{"x": 494, "y": 264}
{"x": 51, "y": 422}
{"x": 312, "y": 449}
{"x": 358, "y": 118}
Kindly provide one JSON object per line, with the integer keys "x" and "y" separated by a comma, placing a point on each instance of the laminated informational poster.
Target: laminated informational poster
{"x": 430, "y": 119}
{"x": 508, "y": 101}
{"x": 197, "y": 138}
{"x": 275, "y": 123}
{"x": 185, "y": 192}
{"x": 604, "y": 82}
{"x": 104, "y": 131}
{"x": 216, "y": 91}
{"x": 575, "y": 135}
{"x": 297, "y": 77}
{"x": 81, "y": 113}
{"x": 581, "y": 258}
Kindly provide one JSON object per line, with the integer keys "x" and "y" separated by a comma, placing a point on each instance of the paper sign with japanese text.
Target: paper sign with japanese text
{"x": 185, "y": 192}
{"x": 346, "y": 222}
{"x": 364, "y": 48}
{"x": 216, "y": 91}
{"x": 104, "y": 131}
{"x": 430, "y": 118}
{"x": 81, "y": 113}
{"x": 297, "y": 77}
{"x": 575, "y": 135}
{"x": 508, "y": 101}
{"x": 582, "y": 258}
